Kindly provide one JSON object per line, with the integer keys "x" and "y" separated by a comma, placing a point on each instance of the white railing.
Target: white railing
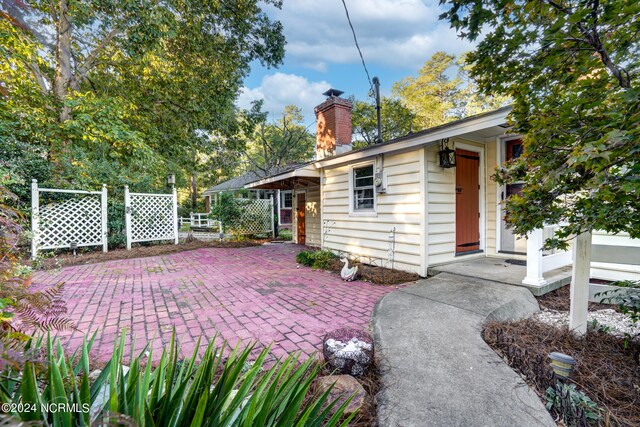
{"x": 540, "y": 262}
{"x": 197, "y": 219}
{"x": 78, "y": 221}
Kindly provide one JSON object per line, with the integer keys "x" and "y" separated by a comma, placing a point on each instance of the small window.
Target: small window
{"x": 287, "y": 200}
{"x": 363, "y": 189}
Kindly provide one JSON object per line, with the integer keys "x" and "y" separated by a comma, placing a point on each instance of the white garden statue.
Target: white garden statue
{"x": 348, "y": 274}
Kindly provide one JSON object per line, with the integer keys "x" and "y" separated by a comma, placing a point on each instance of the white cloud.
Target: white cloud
{"x": 279, "y": 90}
{"x": 402, "y": 33}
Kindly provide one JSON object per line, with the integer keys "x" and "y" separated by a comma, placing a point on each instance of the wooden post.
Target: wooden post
{"x": 127, "y": 215}
{"x": 535, "y": 275}
{"x": 580, "y": 284}
{"x": 105, "y": 231}
{"x": 273, "y": 220}
{"x": 175, "y": 214}
{"x": 35, "y": 217}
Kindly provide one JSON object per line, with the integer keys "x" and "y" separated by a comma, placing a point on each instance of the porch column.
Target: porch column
{"x": 535, "y": 274}
{"x": 580, "y": 284}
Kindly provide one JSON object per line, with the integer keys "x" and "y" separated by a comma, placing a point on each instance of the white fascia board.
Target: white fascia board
{"x": 484, "y": 122}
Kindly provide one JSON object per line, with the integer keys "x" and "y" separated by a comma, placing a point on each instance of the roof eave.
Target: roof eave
{"x": 486, "y": 120}
{"x": 303, "y": 172}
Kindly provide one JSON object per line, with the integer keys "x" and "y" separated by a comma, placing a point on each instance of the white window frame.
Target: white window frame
{"x": 282, "y": 194}
{"x": 361, "y": 212}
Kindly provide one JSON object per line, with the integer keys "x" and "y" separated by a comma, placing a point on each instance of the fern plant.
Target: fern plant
{"x": 206, "y": 391}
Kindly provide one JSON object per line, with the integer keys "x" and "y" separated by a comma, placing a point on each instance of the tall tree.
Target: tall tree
{"x": 128, "y": 81}
{"x": 268, "y": 146}
{"x": 571, "y": 68}
{"x": 396, "y": 120}
{"x": 432, "y": 94}
{"x": 471, "y": 100}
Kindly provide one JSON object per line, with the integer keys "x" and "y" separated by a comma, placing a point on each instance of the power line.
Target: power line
{"x": 355, "y": 39}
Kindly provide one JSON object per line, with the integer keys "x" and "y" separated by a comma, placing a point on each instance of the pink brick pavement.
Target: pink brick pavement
{"x": 242, "y": 294}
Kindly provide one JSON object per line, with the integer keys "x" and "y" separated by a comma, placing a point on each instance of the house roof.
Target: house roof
{"x": 239, "y": 182}
{"x": 495, "y": 118}
{"x": 491, "y": 120}
{"x": 305, "y": 171}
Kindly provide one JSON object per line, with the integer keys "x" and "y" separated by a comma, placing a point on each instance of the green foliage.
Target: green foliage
{"x": 571, "y": 69}
{"x": 285, "y": 234}
{"x": 396, "y": 121}
{"x": 434, "y": 97}
{"x": 207, "y": 390}
{"x": 627, "y": 298}
{"x": 116, "y": 235}
{"x": 572, "y": 406}
{"x": 270, "y": 146}
{"x": 227, "y": 208}
{"x": 318, "y": 260}
{"x": 148, "y": 82}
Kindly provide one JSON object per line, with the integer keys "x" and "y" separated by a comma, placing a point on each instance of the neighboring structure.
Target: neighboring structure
{"x": 283, "y": 199}
{"x": 396, "y": 202}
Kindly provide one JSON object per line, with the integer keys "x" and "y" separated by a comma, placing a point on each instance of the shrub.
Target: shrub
{"x": 285, "y": 234}
{"x": 116, "y": 237}
{"x": 226, "y": 209}
{"x": 318, "y": 260}
{"x": 216, "y": 391}
{"x": 305, "y": 258}
{"x": 628, "y": 298}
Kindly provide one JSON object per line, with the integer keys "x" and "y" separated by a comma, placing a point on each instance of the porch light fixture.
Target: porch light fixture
{"x": 562, "y": 364}
{"x": 447, "y": 155}
{"x": 171, "y": 179}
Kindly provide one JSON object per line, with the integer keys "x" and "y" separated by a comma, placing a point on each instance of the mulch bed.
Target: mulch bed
{"x": 559, "y": 300}
{"x": 376, "y": 275}
{"x": 607, "y": 369}
{"x": 64, "y": 259}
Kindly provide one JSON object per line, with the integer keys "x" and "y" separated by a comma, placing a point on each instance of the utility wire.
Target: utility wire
{"x": 355, "y": 39}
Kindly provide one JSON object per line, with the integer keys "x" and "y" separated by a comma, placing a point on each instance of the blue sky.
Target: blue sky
{"x": 396, "y": 38}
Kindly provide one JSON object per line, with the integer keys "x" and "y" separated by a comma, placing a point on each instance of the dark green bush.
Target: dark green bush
{"x": 318, "y": 260}
{"x": 305, "y": 258}
{"x": 116, "y": 237}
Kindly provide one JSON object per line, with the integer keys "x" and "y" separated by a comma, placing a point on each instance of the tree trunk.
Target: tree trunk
{"x": 63, "y": 59}
{"x": 194, "y": 194}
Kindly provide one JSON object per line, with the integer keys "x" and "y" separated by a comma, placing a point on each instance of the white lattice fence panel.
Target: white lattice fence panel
{"x": 256, "y": 217}
{"x": 74, "y": 220}
{"x": 80, "y": 220}
{"x": 151, "y": 217}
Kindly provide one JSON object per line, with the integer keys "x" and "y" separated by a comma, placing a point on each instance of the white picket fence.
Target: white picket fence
{"x": 150, "y": 216}
{"x": 78, "y": 221}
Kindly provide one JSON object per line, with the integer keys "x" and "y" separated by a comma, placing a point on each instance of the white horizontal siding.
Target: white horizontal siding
{"x": 399, "y": 207}
{"x": 312, "y": 216}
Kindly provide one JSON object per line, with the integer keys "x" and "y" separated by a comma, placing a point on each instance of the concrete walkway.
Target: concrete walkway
{"x": 436, "y": 368}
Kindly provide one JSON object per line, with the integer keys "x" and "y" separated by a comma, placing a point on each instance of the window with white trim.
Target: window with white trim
{"x": 286, "y": 199}
{"x": 363, "y": 189}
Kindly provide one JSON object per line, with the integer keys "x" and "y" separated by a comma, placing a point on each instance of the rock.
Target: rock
{"x": 607, "y": 320}
{"x": 349, "y": 351}
{"x": 345, "y": 386}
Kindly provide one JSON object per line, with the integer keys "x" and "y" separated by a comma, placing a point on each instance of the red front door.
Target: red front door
{"x": 467, "y": 201}
{"x": 300, "y": 216}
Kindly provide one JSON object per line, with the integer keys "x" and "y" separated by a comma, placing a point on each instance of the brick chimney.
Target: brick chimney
{"x": 333, "y": 125}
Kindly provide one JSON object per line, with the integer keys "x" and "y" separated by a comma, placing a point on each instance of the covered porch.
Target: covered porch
{"x": 303, "y": 184}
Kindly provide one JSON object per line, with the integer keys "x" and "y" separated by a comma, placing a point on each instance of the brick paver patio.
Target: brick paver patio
{"x": 255, "y": 293}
